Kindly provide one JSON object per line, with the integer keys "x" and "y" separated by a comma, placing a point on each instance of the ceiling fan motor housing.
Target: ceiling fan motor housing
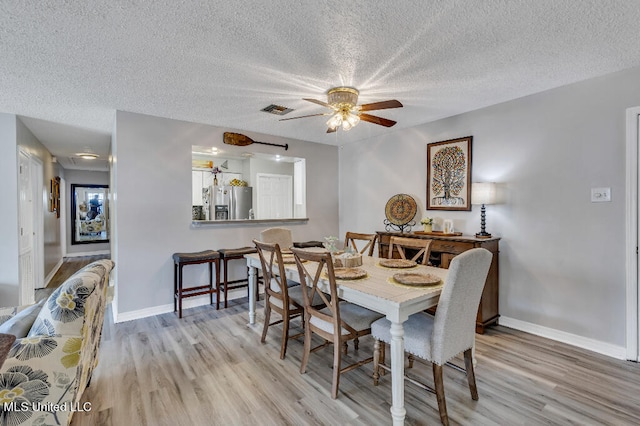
{"x": 342, "y": 96}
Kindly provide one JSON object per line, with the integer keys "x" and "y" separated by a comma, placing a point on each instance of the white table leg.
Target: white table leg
{"x": 398, "y": 411}
{"x": 253, "y": 284}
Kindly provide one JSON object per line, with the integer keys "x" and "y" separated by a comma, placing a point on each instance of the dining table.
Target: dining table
{"x": 380, "y": 292}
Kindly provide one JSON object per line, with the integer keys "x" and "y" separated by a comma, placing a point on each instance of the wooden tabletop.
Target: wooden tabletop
{"x": 6, "y": 340}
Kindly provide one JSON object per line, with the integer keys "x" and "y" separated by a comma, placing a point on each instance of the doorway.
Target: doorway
{"x": 633, "y": 234}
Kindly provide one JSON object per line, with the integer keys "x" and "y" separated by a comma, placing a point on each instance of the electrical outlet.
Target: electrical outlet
{"x": 600, "y": 195}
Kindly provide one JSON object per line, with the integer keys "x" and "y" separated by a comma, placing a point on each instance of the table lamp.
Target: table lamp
{"x": 483, "y": 193}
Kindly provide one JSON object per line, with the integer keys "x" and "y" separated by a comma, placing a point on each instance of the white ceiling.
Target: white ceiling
{"x": 66, "y": 67}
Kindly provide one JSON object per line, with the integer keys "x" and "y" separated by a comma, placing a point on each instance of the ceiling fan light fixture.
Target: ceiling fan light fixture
{"x": 353, "y": 119}
{"x": 335, "y": 121}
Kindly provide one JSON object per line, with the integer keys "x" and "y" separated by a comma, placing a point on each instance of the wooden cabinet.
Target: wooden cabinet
{"x": 443, "y": 250}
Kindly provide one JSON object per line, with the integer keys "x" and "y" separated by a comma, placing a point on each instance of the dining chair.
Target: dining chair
{"x": 336, "y": 323}
{"x": 282, "y": 295}
{"x": 437, "y": 339}
{"x": 402, "y": 243}
{"x": 280, "y": 236}
{"x": 351, "y": 238}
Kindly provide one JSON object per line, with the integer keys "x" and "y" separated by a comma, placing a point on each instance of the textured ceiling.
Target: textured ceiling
{"x": 66, "y": 67}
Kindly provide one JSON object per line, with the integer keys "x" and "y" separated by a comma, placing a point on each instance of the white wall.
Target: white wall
{"x": 83, "y": 177}
{"x": 151, "y": 169}
{"x": 9, "y": 278}
{"x": 562, "y": 259}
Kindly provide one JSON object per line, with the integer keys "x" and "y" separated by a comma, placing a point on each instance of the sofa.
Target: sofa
{"x": 51, "y": 362}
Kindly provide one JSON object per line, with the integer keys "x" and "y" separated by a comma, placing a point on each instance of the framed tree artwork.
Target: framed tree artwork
{"x": 449, "y": 174}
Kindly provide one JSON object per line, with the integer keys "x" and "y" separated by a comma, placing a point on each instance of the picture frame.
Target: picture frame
{"x": 54, "y": 196}
{"x": 449, "y": 174}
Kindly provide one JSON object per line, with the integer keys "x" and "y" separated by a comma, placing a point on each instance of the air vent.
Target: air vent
{"x": 277, "y": 109}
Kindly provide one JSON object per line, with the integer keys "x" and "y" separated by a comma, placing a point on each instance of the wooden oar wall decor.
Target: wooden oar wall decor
{"x": 242, "y": 140}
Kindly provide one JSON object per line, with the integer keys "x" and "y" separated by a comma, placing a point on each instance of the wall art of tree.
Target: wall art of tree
{"x": 449, "y": 168}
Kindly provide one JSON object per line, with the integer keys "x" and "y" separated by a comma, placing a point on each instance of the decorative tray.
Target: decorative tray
{"x": 397, "y": 263}
{"x": 416, "y": 279}
{"x": 349, "y": 273}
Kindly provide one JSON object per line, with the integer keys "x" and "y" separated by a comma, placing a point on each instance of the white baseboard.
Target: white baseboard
{"x": 618, "y": 352}
{"x": 88, "y": 253}
{"x": 192, "y": 302}
{"x": 49, "y": 277}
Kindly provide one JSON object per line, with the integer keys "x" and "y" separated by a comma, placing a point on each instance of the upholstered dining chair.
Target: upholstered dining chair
{"x": 280, "y": 236}
{"x": 351, "y": 238}
{"x": 452, "y": 331}
{"x": 401, "y": 243}
{"x": 336, "y": 323}
{"x": 281, "y": 295}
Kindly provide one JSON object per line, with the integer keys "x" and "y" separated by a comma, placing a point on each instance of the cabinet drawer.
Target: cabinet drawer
{"x": 454, "y": 247}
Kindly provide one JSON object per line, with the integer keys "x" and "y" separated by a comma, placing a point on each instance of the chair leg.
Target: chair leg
{"x": 439, "y": 385}
{"x": 356, "y": 343}
{"x": 345, "y": 347}
{"x": 383, "y": 349}
{"x": 285, "y": 334}
{"x": 410, "y": 358}
{"x": 337, "y": 358}
{"x": 307, "y": 348}
{"x": 471, "y": 377}
{"x": 376, "y": 361}
{"x": 267, "y": 318}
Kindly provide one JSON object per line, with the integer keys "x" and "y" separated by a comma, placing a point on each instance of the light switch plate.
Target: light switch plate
{"x": 600, "y": 195}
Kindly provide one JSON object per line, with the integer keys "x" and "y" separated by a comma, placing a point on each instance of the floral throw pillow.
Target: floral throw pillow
{"x": 63, "y": 312}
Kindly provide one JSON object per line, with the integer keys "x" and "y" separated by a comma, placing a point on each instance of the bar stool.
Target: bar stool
{"x": 234, "y": 254}
{"x": 179, "y": 261}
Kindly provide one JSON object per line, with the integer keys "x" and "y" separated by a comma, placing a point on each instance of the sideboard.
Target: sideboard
{"x": 445, "y": 248}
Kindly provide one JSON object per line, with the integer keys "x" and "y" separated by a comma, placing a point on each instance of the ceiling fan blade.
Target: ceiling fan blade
{"x": 377, "y": 120}
{"x": 315, "y": 101}
{"x": 330, "y": 130}
{"x": 381, "y": 105}
{"x": 305, "y": 116}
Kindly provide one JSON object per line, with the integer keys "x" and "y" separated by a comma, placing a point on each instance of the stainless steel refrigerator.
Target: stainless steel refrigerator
{"x": 231, "y": 202}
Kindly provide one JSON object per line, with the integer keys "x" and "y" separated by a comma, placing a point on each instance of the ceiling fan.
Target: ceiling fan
{"x": 346, "y": 113}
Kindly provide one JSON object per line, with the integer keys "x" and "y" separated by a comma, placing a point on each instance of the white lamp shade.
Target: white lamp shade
{"x": 483, "y": 193}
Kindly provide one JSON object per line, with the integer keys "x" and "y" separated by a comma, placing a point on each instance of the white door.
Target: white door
{"x": 25, "y": 222}
{"x": 274, "y": 196}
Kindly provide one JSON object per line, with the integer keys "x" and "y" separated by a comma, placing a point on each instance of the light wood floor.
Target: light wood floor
{"x": 70, "y": 266}
{"x": 210, "y": 369}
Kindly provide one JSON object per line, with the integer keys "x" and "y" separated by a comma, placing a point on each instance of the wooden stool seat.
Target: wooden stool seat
{"x": 179, "y": 261}
{"x": 234, "y": 254}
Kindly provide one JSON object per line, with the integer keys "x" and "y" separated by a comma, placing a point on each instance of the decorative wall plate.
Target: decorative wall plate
{"x": 400, "y": 209}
